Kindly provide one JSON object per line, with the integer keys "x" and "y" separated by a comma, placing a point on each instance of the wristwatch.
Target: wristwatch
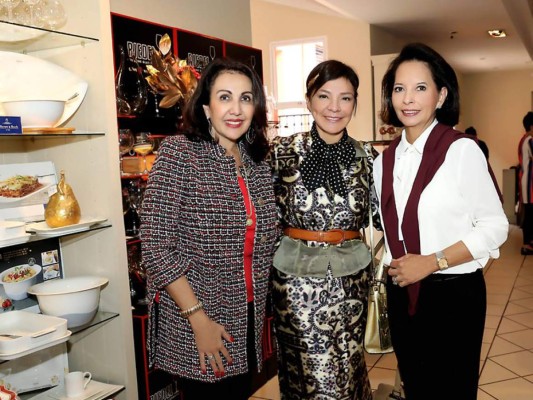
{"x": 442, "y": 262}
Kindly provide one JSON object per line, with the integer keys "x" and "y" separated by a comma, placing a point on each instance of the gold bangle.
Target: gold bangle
{"x": 190, "y": 311}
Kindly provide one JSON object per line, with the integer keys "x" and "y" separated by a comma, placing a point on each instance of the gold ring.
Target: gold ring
{"x": 210, "y": 357}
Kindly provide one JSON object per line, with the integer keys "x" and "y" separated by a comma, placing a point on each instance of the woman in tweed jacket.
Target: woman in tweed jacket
{"x": 208, "y": 229}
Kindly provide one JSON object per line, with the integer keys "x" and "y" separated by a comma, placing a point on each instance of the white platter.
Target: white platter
{"x": 41, "y": 228}
{"x": 11, "y": 356}
{"x": 32, "y": 78}
{"x": 15, "y": 240}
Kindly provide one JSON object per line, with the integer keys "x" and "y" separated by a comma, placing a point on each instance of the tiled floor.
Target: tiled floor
{"x": 506, "y": 366}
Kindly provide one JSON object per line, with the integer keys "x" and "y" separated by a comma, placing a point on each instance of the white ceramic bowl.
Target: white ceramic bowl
{"x": 76, "y": 299}
{"x": 19, "y": 290}
{"x": 35, "y": 113}
{"x": 11, "y": 229}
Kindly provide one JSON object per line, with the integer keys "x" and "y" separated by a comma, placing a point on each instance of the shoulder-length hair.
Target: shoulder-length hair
{"x": 195, "y": 123}
{"x": 328, "y": 71}
{"x": 443, "y": 76}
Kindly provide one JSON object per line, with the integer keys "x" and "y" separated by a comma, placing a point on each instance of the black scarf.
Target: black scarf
{"x": 322, "y": 167}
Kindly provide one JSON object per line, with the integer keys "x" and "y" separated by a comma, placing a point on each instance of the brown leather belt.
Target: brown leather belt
{"x": 334, "y": 236}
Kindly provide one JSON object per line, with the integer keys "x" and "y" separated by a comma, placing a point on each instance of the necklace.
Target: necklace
{"x": 249, "y": 220}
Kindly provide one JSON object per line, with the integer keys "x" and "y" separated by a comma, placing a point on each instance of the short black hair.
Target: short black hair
{"x": 471, "y": 131}
{"x": 195, "y": 123}
{"x": 328, "y": 71}
{"x": 442, "y": 73}
{"x": 528, "y": 121}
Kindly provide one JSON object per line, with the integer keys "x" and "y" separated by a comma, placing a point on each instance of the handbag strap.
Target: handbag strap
{"x": 376, "y": 271}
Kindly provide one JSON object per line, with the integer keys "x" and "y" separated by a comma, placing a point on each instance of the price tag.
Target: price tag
{"x": 10, "y": 126}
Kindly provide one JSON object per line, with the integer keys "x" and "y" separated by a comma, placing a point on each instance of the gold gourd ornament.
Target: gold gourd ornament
{"x": 63, "y": 208}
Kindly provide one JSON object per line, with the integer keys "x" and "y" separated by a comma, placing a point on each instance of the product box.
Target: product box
{"x": 42, "y": 369}
{"x": 43, "y": 257}
{"x": 25, "y": 189}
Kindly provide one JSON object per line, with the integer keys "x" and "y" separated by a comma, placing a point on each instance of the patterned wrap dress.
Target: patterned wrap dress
{"x": 320, "y": 320}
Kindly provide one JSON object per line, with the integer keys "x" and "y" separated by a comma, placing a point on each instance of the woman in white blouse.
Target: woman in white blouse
{"x": 443, "y": 220}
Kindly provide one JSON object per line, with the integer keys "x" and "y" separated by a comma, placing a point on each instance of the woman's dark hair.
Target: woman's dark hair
{"x": 443, "y": 76}
{"x": 328, "y": 71}
{"x": 528, "y": 121}
{"x": 195, "y": 124}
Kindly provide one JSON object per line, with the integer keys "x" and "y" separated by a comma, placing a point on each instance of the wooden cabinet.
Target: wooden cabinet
{"x": 90, "y": 158}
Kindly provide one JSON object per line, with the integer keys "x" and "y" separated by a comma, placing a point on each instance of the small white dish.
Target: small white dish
{"x": 42, "y": 228}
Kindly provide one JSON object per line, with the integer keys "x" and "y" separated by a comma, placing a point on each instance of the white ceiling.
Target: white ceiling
{"x": 432, "y": 21}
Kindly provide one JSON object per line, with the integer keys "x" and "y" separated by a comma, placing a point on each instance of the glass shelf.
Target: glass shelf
{"x": 51, "y": 135}
{"x": 96, "y": 227}
{"x": 100, "y": 318}
{"x": 25, "y": 39}
{"x": 35, "y": 237}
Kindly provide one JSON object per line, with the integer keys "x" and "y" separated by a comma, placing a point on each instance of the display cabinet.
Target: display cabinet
{"x": 90, "y": 158}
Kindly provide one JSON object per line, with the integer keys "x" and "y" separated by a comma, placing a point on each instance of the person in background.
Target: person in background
{"x": 322, "y": 181}
{"x": 208, "y": 228}
{"x": 441, "y": 227}
{"x": 482, "y": 145}
{"x": 525, "y": 183}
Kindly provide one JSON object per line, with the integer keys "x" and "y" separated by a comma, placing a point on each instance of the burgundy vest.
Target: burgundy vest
{"x": 440, "y": 139}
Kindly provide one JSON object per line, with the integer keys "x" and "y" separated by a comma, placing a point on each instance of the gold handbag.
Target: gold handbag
{"x": 377, "y": 333}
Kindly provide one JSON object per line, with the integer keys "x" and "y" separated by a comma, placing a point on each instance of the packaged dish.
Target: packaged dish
{"x": 22, "y": 330}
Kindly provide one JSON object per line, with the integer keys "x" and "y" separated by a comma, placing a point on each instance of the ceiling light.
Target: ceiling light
{"x": 497, "y": 33}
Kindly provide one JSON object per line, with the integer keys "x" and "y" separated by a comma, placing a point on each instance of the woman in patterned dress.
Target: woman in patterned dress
{"x": 320, "y": 280}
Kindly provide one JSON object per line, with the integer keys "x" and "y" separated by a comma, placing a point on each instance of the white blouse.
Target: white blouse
{"x": 459, "y": 204}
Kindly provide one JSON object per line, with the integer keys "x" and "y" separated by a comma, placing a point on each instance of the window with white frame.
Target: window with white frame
{"x": 291, "y": 63}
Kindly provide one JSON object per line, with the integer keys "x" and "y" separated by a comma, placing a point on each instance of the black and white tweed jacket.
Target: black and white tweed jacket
{"x": 194, "y": 224}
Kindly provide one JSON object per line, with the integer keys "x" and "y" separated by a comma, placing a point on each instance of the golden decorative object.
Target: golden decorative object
{"x": 170, "y": 77}
{"x": 63, "y": 208}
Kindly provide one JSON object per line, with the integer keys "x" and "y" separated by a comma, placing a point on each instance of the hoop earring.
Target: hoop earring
{"x": 250, "y": 135}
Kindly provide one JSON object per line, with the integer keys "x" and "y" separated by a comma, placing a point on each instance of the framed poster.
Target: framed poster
{"x": 138, "y": 39}
{"x": 248, "y": 55}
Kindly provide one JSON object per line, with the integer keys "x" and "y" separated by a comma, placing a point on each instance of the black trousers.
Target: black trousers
{"x": 527, "y": 224}
{"x": 237, "y": 387}
{"x": 439, "y": 348}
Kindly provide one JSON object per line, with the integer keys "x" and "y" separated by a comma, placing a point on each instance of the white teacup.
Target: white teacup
{"x": 76, "y": 382}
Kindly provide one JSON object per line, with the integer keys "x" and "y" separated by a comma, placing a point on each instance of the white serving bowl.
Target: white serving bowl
{"x": 35, "y": 113}
{"x": 19, "y": 290}
{"x": 76, "y": 299}
{"x": 12, "y": 229}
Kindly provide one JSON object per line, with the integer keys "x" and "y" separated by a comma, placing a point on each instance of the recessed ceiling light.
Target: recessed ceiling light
{"x": 497, "y": 33}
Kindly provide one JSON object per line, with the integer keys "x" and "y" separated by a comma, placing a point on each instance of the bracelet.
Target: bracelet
{"x": 190, "y": 311}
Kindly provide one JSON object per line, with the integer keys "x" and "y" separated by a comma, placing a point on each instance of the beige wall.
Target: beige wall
{"x": 495, "y": 103}
{"x": 347, "y": 41}
{"x": 228, "y": 19}
{"x": 492, "y": 102}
